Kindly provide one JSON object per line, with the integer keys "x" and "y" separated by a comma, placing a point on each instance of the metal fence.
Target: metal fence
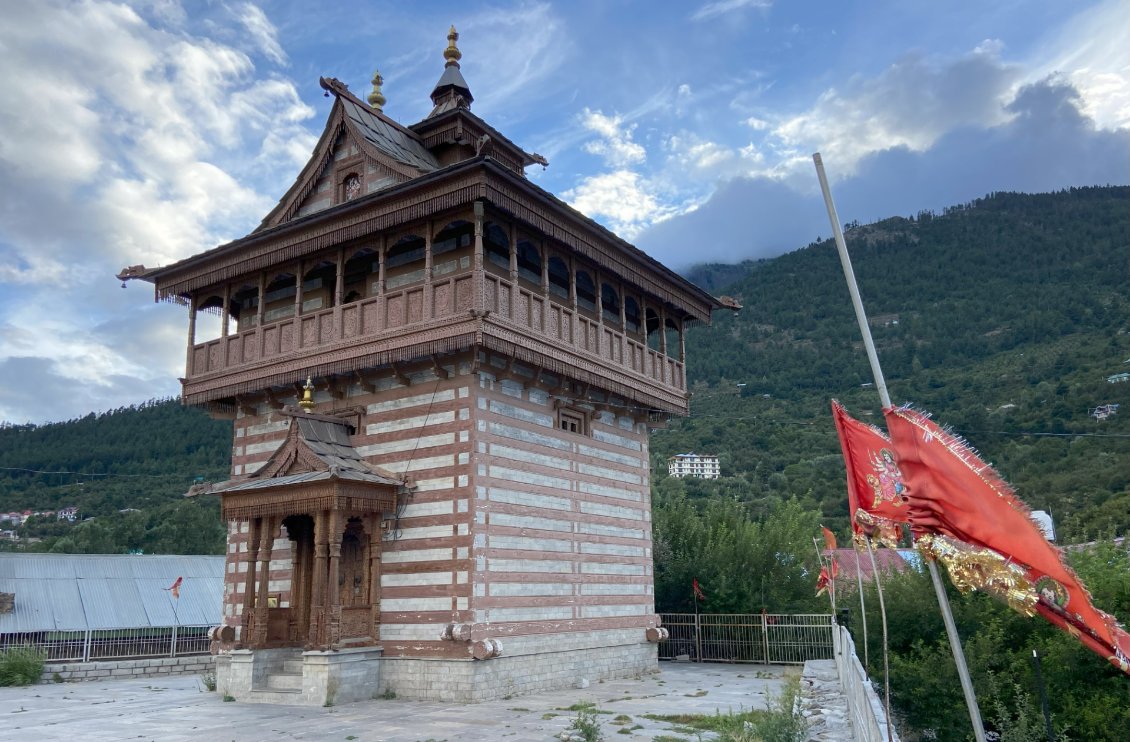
{"x": 766, "y": 638}
{"x": 113, "y": 644}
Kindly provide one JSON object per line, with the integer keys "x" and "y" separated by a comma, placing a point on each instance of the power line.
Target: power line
{"x": 86, "y": 474}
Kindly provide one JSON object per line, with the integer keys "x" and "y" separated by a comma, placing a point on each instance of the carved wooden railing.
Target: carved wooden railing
{"x": 515, "y": 304}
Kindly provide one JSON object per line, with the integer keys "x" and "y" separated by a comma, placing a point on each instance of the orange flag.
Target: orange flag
{"x": 829, "y": 539}
{"x": 175, "y": 588}
{"x": 874, "y": 481}
{"x": 827, "y": 576}
{"x": 963, "y": 513}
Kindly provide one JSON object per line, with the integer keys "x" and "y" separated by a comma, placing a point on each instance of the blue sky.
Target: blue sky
{"x": 145, "y": 132}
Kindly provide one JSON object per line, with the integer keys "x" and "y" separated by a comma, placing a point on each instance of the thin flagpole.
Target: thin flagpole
{"x": 831, "y": 580}
{"x": 885, "y": 398}
{"x": 886, "y": 654}
{"x": 862, "y": 607}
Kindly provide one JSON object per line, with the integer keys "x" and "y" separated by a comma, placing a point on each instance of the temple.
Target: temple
{"x": 441, "y": 380}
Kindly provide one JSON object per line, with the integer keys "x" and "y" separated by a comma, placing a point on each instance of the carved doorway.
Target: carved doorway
{"x": 300, "y": 530}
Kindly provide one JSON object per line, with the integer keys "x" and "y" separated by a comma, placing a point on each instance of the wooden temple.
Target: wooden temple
{"x": 441, "y": 380}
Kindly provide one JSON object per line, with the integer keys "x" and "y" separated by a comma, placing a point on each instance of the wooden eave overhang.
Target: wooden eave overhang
{"x": 432, "y": 131}
{"x": 460, "y": 184}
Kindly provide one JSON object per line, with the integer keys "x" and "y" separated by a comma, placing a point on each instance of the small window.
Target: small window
{"x": 351, "y": 187}
{"x": 571, "y": 421}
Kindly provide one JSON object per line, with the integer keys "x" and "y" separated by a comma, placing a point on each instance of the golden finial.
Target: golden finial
{"x": 307, "y": 401}
{"x": 452, "y": 53}
{"x": 376, "y": 98}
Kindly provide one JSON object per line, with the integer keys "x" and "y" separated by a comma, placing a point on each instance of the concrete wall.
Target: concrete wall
{"x": 865, "y": 707}
{"x": 120, "y": 669}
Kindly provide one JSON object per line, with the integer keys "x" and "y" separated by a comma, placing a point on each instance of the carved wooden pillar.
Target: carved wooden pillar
{"x": 268, "y": 529}
{"x": 339, "y": 292}
{"x": 298, "y": 294}
{"x": 191, "y": 337}
{"x": 545, "y": 287}
{"x": 373, "y": 528}
{"x": 663, "y": 343}
{"x": 428, "y": 311}
{"x": 479, "y": 277}
{"x": 318, "y": 583}
{"x": 245, "y": 622}
{"x": 512, "y": 238}
{"x": 575, "y": 321}
{"x": 225, "y": 318}
{"x": 624, "y": 347}
{"x": 382, "y": 305}
{"x": 260, "y": 311}
{"x": 599, "y": 312}
{"x": 337, "y": 527}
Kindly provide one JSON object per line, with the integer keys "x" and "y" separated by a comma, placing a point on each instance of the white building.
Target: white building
{"x": 703, "y": 466}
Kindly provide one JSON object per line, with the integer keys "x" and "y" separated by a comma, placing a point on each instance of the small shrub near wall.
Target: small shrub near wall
{"x": 21, "y": 665}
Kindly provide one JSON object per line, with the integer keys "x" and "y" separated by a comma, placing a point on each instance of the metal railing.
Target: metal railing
{"x": 765, "y": 638}
{"x": 113, "y": 644}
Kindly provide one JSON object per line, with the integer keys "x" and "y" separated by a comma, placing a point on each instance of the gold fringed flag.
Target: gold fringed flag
{"x": 874, "y": 482}
{"x": 964, "y": 514}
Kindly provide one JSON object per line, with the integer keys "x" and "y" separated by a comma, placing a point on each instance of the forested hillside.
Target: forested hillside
{"x": 128, "y": 469}
{"x": 1003, "y": 317}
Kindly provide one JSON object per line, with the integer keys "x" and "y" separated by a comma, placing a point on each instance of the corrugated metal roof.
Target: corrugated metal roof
{"x": 394, "y": 142}
{"x": 75, "y": 592}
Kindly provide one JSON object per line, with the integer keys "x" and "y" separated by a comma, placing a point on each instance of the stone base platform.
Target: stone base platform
{"x": 294, "y": 678}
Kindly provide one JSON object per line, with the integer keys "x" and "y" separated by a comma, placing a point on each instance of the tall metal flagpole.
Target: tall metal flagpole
{"x": 862, "y": 607}
{"x": 881, "y": 385}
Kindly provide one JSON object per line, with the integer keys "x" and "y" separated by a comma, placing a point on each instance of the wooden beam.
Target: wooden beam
{"x": 366, "y": 386}
{"x": 400, "y": 375}
{"x": 439, "y": 370}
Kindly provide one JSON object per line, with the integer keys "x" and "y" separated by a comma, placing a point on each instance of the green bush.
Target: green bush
{"x": 21, "y": 665}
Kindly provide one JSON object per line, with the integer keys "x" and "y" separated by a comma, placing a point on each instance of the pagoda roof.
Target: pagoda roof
{"x": 317, "y": 448}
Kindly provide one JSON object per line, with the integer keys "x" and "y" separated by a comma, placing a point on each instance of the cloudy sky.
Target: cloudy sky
{"x": 147, "y": 131}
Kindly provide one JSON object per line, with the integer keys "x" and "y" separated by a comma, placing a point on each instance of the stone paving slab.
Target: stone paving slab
{"x": 178, "y": 708}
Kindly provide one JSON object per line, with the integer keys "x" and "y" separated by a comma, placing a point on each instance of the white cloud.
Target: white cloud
{"x": 615, "y": 144}
{"x": 722, "y": 7}
{"x": 132, "y": 140}
{"x": 627, "y": 202}
{"x": 261, "y": 31}
{"x": 912, "y": 103}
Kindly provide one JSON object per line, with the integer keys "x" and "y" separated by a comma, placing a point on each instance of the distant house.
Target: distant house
{"x": 1118, "y": 378}
{"x": 702, "y": 466}
{"x": 1104, "y": 411}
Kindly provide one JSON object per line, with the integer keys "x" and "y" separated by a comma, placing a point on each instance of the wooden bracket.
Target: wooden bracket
{"x": 366, "y": 386}
{"x": 247, "y": 409}
{"x": 401, "y": 376}
{"x": 439, "y": 370}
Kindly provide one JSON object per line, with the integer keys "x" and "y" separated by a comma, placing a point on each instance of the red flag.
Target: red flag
{"x": 829, "y": 539}
{"x": 874, "y": 481}
{"x": 175, "y": 588}
{"x": 827, "y": 576}
{"x": 964, "y": 513}
{"x": 697, "y": 590}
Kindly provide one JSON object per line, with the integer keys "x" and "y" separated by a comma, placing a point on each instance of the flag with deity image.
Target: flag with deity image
{"x": 874, "y": 482}
{"x": 966, "y": 516}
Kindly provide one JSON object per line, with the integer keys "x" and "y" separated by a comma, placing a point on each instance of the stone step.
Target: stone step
{"x": 284, "y": 697}
{"x": 284, "y": 681}
{"x": 292, "y": 666}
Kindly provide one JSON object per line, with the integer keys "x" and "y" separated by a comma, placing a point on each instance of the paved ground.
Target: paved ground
{"x": 178, "y": 708}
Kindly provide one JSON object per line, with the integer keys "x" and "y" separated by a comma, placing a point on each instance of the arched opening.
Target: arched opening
{"x": 631, "y": 315}
{"x": 496, "y": 246}
{"x": 558, "y": 278}
{"x": 208, "y": 324}
{"x": 245, "y": 306}
{"x": 673, "y": 335}
{"x": 451, "y": 249}
{"x": 586, "y": 293}
{"x": 609, "y": 305}
{"x": 318, "y": 286}
{"x": 278, "y": 299}
{"x": 651, "y": 325}
{"x": 359, "y": 271}
{"x": 404, "y": 263}
{"x": 529, "y": 261}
